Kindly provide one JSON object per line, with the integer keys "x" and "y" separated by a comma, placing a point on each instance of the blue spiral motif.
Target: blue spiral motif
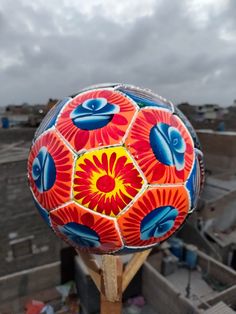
{"x": 158, "y": 222}
{"x": 93, "y": 114}
{"x": 80, "y": 235}
{"x": 167, "y": 145}
{"x": 43, "y": 170}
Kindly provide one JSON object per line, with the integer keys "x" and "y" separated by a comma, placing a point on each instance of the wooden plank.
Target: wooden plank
{"x": 93, "y": 268}
{"x": 133, "y": 266}
{"x": 111, "y": 285}
{"x": 111, "y": 275}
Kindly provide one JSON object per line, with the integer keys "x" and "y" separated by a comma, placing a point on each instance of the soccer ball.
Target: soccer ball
{"x": 115, "y": 169}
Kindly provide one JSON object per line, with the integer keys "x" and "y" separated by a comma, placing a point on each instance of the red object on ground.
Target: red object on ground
{"x": 34, "y": 307}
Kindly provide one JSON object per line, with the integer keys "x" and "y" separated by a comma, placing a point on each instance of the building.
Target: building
{"x": 210, "y": 116}
{"x": 30, "y": 252}
{"x": 171, "y": 284}
{"x": 24, "y": 115}
{"x": 212, "y": 227}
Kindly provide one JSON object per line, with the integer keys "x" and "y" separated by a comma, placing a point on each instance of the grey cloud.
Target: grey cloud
{"x": 59, "y": 53}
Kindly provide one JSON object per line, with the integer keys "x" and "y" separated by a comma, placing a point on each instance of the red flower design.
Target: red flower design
{"x": 138, "y": 143}
{"x": 106, "y": 180}
{"x": 153, "y": 198}
{"x": 59, "y": 191}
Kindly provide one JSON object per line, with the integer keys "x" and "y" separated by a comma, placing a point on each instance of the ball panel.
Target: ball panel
{"x": 144, "y": 98}
{"x": 86, "y": 230}
{"x": 50, "y": 166}
{"x": 162, "y": 146}
{"x": 193, "y": 184}
{"x": 96, "y": 118}
{"x": 155, "y": 216}
{"x": 106, "y": 180}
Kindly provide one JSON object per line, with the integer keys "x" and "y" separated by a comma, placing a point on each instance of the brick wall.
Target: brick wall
{"x": 20, "y": 220}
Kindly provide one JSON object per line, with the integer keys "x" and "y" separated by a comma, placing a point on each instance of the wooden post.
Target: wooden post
{"x": 110, "y": 278}
{"x": 111, "y": 285}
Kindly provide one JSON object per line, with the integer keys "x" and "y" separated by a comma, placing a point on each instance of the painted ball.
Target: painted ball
{"x": 115, "y": 169}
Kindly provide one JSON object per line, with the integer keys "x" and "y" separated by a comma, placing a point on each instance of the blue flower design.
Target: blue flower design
{"x": 93, "y": 114}
{"x": 167, "y": 145}
{"x": 81, "y": 235}
{"x": 43, "y": 170}
{"x": 158, "y": 222}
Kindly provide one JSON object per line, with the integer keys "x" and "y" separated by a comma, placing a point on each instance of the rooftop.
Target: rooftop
{"x": 200, "y": 290}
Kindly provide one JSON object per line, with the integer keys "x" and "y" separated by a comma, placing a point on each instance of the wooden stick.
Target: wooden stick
{"x": 133, "y": 266}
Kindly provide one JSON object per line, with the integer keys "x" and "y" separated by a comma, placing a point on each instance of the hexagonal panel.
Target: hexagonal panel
{"x": 162, "y": 146}
{"x": 155, "y": 216}
{"x": 86, "y": 230}
{"x": 96, "y": 118}
{"x": 50, "y": 166}
{"x": 106, "y": 180}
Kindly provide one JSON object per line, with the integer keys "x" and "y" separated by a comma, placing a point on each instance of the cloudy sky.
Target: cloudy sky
{"x": 184, "y": 50}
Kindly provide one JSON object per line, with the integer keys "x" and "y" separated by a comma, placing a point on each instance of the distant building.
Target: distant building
{"x": 51, "y": 103}
{"x": 210, "y": 112}
{"x": 30, "y": 252}
{"x": 213, "y": 224}
{"x": 24, "y": 114}
{"x": 210, "y": 116}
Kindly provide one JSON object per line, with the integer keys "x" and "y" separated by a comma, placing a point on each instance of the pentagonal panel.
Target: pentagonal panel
{"x": 162, "y": 146}
{"x": 50, "y": 166}
{"x": 86, "y": 230}
{"x": 155, "y": 216}
{"x": 106, "y": 180}
{"x": 96, "y": 118}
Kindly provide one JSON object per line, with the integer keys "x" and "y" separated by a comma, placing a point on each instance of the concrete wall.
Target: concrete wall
{"x": 162, "y": 295}
{"x": 216, "y": 270}
{"x": 20, "y": 220}
{"x": 13, "y": 287}
{"x": 227, "y": 296}
{"x": 219, "y": 149}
